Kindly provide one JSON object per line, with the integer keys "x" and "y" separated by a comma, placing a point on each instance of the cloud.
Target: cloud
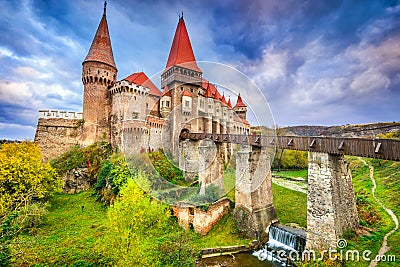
{"x": 317, "y": 62}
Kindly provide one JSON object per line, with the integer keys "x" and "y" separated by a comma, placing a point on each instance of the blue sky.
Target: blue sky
{"x": 317, "y": 62}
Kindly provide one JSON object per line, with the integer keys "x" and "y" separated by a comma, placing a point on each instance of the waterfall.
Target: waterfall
{"x": 281, "y": 238}
{"x": 287, "y": 237}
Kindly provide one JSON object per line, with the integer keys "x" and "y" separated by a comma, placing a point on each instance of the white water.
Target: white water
{"x": 281, "y": 242}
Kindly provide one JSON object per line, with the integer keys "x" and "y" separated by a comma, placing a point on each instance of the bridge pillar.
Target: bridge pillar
{"x": 254, "y": 209}
{"x": 188, "y": 159}
{"x": 331, "y": 206}
{"x": 211, "y": 165}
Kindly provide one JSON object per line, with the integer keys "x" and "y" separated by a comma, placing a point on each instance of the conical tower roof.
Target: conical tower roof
{"x": 181, "y": 52}
{"x": 101, "y": 50}
{"x": 239, "y": 102}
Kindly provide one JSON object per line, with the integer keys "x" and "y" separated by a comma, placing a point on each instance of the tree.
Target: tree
{"x": 24, "y": 179}
{"x": 142, "y": 231}
{"x": 25, "y": 184}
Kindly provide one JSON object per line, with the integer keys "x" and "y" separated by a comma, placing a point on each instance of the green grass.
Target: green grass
{"x": 293, "y": 174}
{"x": 223, "y": 233}
{"x": 229, "y": 183}
{"x": 67, "y": 237}
{"x": 290, "y": 205}
{"x": 370, "y": 213}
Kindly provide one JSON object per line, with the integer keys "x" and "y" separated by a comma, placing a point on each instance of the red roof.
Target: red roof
{"x": 239, "y": 102}
{"x": 208, "y": 91}
{"x": 186, "y": 93}
{"x": 181, "y": 52}
{"x": 217, "y": 95}
{"x": 140, "y": 78}
{"x": 101, "y": 50}
{"x": 239, "y": 119}
{"x": 166, "y": 91}
{"x": 229, "y": 103}
{"x": 223, "y": 100}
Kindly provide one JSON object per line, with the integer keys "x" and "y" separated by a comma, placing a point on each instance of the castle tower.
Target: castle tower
{"x": 240, "y": 108}
{"x": 99, "y": 72}
{"x": 183, "y": 78}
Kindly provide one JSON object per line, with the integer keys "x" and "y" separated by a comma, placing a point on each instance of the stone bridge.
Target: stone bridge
{"x": 331, "y": 207}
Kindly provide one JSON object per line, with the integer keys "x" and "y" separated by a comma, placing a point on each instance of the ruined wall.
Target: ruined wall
{"x": 331, "y": 206}
{"x": 201, "y": 220}
{"x": 55, "y": 136}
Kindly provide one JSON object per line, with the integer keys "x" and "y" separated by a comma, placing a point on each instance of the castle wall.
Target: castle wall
{"x": 55, "y": 135}
{"x": 201, "y": 220}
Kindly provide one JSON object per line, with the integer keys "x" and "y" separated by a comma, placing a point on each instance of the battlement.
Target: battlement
{"x": 60, "y": 114}
{"x": 125, "y": 86}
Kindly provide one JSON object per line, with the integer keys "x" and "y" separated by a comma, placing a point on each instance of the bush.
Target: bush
{"x": 92, "y": 156}
{"x": 24, "y": 179}
{"x": 142, "y": 233}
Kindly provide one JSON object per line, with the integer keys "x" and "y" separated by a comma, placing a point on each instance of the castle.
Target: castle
{"x": 133, "y": 114}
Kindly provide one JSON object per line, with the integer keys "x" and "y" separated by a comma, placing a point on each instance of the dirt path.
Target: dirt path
{"x": 292, "y": 185}
{"x": 384, "y": 247}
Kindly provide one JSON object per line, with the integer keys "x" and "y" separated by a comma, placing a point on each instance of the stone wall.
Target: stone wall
{"x": 254, "y": 210}
{"x": 56, "y": 136}
{"x": 201, "y": 220}
{"x": 331, "y": 206}
{"x": 211, "y": 165}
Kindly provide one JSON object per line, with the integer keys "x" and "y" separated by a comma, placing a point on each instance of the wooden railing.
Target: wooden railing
{"x": 371, "y": 148}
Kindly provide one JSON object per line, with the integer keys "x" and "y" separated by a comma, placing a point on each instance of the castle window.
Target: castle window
{"x": 107, "y": 73}
{"x": 209, "y": 106}
{"x": 98, "y": 71}
{"x": 167, "y": 103}
{"x": 187, "y": 103}
{"x": 135, "y": 115}
{"x": 182, "y": 88}
{"x": 191, "y": 90}
{"x": 134, "y": 97}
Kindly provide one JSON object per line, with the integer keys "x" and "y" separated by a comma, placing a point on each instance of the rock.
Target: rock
{"x": 76, "y": 180}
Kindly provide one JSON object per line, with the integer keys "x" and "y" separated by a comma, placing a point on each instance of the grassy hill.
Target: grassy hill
{"x": 75, "y": 227}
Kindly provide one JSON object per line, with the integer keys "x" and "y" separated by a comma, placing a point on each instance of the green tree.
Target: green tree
{"x": 25, "y": 184}
{"x": 140, "y": 228}
{"x": 24, "y": 179}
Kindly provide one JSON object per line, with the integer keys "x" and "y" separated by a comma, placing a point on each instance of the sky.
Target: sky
{"x": 316, "y": 62}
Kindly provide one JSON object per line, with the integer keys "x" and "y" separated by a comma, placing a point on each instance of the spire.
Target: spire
{"x": 229, "y": 103}
{"x": 239, "y": 102}
{"x": 217, "y": 96}
{"x": 223, "y": 100}
{"x": 181, "y": 50}
{"x": 101, "y": 50}
{"x": 208, "y": 91}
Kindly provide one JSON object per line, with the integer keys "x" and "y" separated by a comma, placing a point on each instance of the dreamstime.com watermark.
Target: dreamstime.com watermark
{"x": 337, "y": 254}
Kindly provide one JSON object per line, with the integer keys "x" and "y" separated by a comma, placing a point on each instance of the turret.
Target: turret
{"x": 240, "y": 108}
{"x": 99, "y": 72}
{"x": 165, "y": 103}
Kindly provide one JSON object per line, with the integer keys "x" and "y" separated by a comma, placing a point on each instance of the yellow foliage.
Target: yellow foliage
{"x": 23, "y": 176}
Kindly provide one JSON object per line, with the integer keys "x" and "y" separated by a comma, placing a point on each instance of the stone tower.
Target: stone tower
{"x": 240, "y": 108}
{"x": 183, "y": 78}
{"x": 99, "y": 72}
